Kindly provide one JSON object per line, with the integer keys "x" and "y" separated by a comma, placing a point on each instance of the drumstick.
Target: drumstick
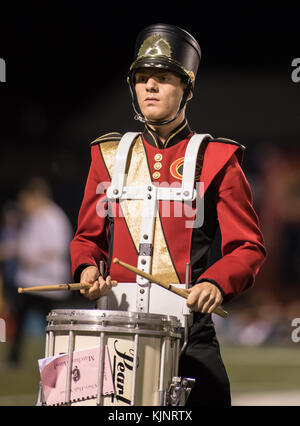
{"x": 57, "y": 287}
{"x": 219, "y": 311}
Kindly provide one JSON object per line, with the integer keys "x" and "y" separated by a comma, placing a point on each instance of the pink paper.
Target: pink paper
{"x": 84, "y": 377}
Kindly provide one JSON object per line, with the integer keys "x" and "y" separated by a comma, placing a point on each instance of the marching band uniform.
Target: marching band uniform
{"x": 109, "y": 229}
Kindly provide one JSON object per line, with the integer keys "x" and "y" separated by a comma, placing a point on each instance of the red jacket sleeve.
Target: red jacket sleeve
{"x": 90, "y": 244}
{"x": 242, "y": 244}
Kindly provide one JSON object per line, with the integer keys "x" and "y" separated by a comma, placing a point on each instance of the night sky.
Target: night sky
{"x": 65, "y": 82}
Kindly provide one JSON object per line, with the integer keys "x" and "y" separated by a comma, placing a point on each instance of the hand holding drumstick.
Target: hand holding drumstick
{"x": 204, "y": 297}
{"x": 92, "y": 285}
{"x": 100, "y": 286}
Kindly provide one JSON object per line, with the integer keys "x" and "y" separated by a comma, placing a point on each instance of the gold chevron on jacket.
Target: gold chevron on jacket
{"x": 138, "y": 174}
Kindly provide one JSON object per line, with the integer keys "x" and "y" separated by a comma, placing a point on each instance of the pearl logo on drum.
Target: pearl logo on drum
{"x": 123, "y": 360}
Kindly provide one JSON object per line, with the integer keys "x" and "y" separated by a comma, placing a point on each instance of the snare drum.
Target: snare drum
{"x": 148, "y": 343}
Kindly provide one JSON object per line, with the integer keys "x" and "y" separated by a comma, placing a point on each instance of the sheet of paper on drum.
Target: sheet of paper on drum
{"x": 84, "y": 376}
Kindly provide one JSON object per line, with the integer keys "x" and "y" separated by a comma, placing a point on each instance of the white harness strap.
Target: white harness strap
{"x": 118, "y": 177}
{"x": 146, "y": 246}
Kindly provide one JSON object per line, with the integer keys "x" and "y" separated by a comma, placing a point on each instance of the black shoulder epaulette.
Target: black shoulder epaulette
{"x": 225, "y": 140}
{"x": 109, "y": 137}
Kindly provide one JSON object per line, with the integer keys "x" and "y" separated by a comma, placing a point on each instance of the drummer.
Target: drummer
{"x": 161, "y": 81}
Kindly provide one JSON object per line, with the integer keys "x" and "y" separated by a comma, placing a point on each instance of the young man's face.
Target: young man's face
{"x": 159, "y": 93}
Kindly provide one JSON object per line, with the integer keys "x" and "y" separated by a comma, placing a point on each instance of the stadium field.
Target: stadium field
{"x": 259, "y": 375}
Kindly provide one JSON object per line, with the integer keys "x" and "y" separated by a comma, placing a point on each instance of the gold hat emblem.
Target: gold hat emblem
{"x": 155, "y": 45}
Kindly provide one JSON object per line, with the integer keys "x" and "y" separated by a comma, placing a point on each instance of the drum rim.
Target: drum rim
{"x": 100, "y": 315}
{"x": 170, "y": 332}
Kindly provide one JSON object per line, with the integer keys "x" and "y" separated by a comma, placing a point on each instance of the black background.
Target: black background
{"x": 65, "y": 82}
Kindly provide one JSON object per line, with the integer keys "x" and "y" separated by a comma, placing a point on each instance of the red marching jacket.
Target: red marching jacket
{"x": 227, "y": 205}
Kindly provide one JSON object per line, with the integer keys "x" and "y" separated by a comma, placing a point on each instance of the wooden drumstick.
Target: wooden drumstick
{"x": 57, "y": 287}
{"x": 219, "y": 311}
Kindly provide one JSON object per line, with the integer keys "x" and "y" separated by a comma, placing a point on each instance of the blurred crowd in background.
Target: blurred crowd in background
{"x": 263, "y": 314}
{"x": 34, "y": 250}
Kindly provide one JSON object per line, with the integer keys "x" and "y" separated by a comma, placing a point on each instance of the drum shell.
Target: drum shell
{"x": 158, "y": 339}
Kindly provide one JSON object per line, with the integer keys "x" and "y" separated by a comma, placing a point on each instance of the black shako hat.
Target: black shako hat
{"x": 165, "y": 46}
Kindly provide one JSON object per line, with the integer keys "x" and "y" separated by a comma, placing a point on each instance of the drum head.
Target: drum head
{"x": 97, "y": 320}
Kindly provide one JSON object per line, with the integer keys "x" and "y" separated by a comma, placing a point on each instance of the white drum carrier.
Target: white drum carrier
{"x": 141, "y": 320}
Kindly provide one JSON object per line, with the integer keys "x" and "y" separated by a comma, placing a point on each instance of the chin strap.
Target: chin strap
{"x": 139, "y": 117}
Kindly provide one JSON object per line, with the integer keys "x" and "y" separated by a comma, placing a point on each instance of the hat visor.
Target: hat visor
{"x": 159, "y": 62}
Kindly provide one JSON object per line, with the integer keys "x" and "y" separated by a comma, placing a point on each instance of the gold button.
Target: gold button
{"x": 158, "y": 157}
{"x": 157, "y": 166}
{"x": 156, "y": 175}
